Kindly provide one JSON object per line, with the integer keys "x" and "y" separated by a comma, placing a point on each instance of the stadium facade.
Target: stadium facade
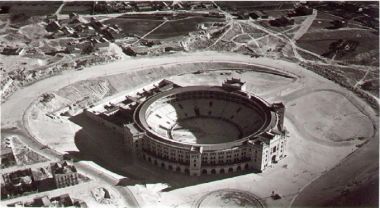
{"x": 198, "y": 129}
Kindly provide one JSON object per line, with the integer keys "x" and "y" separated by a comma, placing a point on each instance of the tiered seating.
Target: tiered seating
{"x": 166, "y": 115}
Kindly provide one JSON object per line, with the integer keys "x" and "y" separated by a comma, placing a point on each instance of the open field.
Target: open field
{"x": 366, "y": 53}
{"x": 332, "y": 122}
{"x": 129, "y": 26}
{"x": 181, "y": 27}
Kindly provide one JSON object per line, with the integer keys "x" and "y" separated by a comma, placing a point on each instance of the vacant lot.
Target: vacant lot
{"x": 181, "y": 27}
{"x": 172, "y": 28}
{"x": 130, "y": 26}
{"x": 319, "y": 42}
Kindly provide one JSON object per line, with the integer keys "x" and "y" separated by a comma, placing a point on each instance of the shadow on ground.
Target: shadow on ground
{"x": 101, "y": 145}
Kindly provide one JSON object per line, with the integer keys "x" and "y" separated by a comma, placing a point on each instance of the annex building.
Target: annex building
{"x": 197, "y": 129}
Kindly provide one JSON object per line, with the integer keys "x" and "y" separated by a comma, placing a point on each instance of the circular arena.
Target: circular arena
{"x": 207, "y": 130}
{"x": 203, "y": 116}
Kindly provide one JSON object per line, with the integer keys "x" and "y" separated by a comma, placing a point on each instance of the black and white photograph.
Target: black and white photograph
{"x": 189, "y": 104}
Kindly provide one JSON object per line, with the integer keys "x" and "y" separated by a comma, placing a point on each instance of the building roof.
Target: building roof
{"x": 5, "y": 148}
{"x": 12, "y": 51}
{"x": 63, "y": 200}
{"x": 41, "y": 201}
{"x": 63, "y": 168}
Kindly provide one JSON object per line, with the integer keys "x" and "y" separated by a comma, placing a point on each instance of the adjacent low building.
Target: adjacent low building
{"x": 64, "y": 174}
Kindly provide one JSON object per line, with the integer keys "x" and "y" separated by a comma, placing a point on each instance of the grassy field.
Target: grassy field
{"x": 181, "y": 27}
{"x": 172, "y": 28}
{"x": 318, "y": 42}
{"x": 129, "y": 26}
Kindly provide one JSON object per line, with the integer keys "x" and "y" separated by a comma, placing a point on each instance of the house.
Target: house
{"x": 62, "y": 201}
{"x": 96, "y": 24}
{"x": 41, "y": 202}
{"x": 100, "y": 43}
{"x": 261, "y": 14}
{"x": 241, "y": 15}
{"x": 85, "y": 30}
{"x": 281, "y": 22}
{"x": 64, "y": 174}
{"x": 110, "y": 33}
{"x": 17, "y": 182}
{"x": 129, "y": 51}
{"x": 301, "y": 10}
{"x": 53, "y": 26}
{"x": 44, "y": 201}
{"x": 215, "y": 14}
{"x": 144, "y": 6}
{"x": 76, "y": 19}
{"x": 13, "y": 51}
{"x": 7, "y": 156}
{"x": 253, "y": 15}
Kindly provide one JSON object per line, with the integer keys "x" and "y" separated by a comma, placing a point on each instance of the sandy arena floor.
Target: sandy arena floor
{"x": 204, "y": 131}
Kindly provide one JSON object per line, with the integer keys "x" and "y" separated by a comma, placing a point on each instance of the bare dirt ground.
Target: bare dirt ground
{"x": 229, "y": 198}
{"x": 308, "y": 158}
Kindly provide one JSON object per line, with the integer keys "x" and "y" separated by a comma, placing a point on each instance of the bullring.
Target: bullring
{"x": 198, "y": 129}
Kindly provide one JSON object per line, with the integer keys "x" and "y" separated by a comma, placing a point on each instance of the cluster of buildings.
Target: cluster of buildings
{"x": 13, "y": 153}
{"x": 92, "y": 34}
{"x": 141, "y": 6}
{"x": 63, "y": 200}
{"x": 258, "y": 14}
{"x": 13, "y": 51}
{"x": 7, "y": 156}
{"x": 281, "y": 22}
{"x": 21, "y": 182}
{"x": 301, "y": 10}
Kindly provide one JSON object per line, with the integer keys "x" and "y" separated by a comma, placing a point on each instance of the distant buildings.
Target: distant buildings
{"x": 129, "y": 51}
{"x": 254, "y": 15}
{"x": 281, "y": 22}
{"x": 17, "y": 183}
{"x": 63, "y": 200}
{"x": 53, "y": 26}
{"x": 13, "y": 51}
{"x": 336, "y": 24}
{"x": 57, "y": 175}
{"x": 301, "y": 10}
{"x": 7, "y": 156}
